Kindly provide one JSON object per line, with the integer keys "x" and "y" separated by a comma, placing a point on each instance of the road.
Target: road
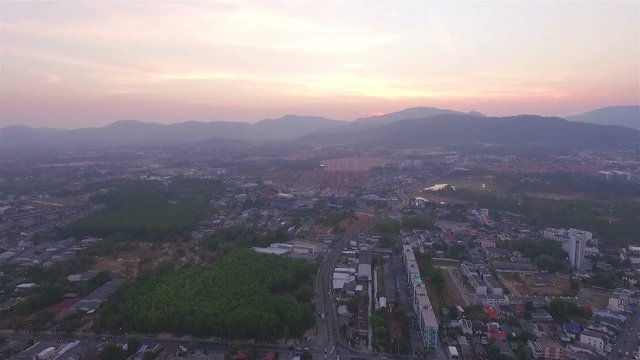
{"x": 628, "y": 339}
{"x": 328, "y": 336}
{"x": 328, "y": 332}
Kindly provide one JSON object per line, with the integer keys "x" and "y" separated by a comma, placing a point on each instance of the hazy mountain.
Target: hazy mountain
{"x": 292, "y": 126}
{"x": 124, "y": 132}
{"x": 410, "y": 113}
{"x": 406, "y": 128}
{"x": 627, "y": 116}
{"x": 514, "y": 131}
{"x": 131, "y": 132}
{"x": 21, "y": 134}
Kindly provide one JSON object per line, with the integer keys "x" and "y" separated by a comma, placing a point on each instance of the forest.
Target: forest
{"x": 242, "y": 295}
{"x": 148, "y": 209}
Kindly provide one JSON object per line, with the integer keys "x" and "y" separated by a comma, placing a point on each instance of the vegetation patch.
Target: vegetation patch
{"x": 242, "y": 295}
{"x": 148, "y": 209}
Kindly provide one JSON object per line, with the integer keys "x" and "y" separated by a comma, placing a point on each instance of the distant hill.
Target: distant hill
{"x": 124, "y": 132}
{"x": 627, "y": 116}
{"x": 410, "y": 113}
{"x": 292, "y": 126}
{"x": 131, "y": 132}
{"x": 513, "y": 131}
{"x": 414, "y": 127}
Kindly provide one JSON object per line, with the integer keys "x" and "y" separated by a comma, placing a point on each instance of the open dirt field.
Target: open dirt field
{"x": 349, "y": 225}
{"x": 599, "y": 298}
{"x": 544, "y": 284}
{"x": 354, "y": 163}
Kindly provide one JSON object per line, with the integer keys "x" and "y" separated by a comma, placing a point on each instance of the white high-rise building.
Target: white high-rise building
{"x": 576, "y": 244}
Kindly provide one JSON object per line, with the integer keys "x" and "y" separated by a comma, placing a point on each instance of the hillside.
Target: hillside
{"x": 414, "y": 127}
{"x": 410, "y": 113}
{"x": 131, "y": 132}
{"x": 627, "y": 116}
{"x": 514, "y": 131}
{"x": 292, "y": 126}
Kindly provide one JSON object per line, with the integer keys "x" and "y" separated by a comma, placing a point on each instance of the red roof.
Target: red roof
{"x": 61, "y": 306}
{"x": 498, "y": 335}
{"x": 492, "y": 314}
{"x": 241, "y": 355}
{"x": 270, "y": 356}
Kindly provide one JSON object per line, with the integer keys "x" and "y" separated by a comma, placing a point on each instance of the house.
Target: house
{"x": 548, "y": 349}
{"x": 495, "y": 332}
{"x": 505, "y": 350}
{"x": 541, "y": 315}
{"x": 479, "y": 349}
{"x": 467, "y": 327}
{"x": 510, "y": 267}
{"x": 621, "y": 300}
{"x": 83, "y": 277}
{"x": 595, "y": 339}
{"x": 571, "y": 329}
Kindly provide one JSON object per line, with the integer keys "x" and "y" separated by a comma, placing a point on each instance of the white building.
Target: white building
{"x": 620, "y": 300}
{"x": 577, "y": 243}
{"x": 595, "y": 339}
{"x": 427, "y": 322}
{"x": 615, "y": 175}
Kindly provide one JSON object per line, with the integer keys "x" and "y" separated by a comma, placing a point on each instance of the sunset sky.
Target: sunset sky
{"x": 76, "y": 64}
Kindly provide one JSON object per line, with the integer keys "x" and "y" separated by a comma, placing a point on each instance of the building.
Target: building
{"x": 574, "y": 243}
{"x": 621, "y": 300}
{"x": 595, "y": 339}
{"x": 615, "y": 175}
{"x": 272, "y": 250}
{"x": 576, "y": 246}
{"x": 364, "y": 265}
{"x": 591, "y": 251}
{"x": 514, "y": 267}
{"x": 427, "y": 322}
{"x": 83, "y": 277}
{"x": 548, "y": 349}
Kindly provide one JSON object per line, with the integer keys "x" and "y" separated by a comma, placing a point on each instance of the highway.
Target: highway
{"x": 328, "y": 336}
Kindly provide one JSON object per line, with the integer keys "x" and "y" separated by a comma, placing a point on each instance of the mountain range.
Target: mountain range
{"x": 413, "y": 127}
{"x": 463, "y": 129}
{"x": 627, "y": 116}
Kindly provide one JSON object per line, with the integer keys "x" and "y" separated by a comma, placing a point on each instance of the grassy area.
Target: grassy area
{"x": 452, "y": 295}
{"x": 148, "y": 209}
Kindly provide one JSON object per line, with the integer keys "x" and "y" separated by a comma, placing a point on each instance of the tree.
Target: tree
{"x": 493, "y": 352}
{"x": 605, "y": 280}
{"x": 133, "y": 344}
{"x": 562, "y": 311}
{"x": 111, "y": 352}
{"x": 529, "y": 306}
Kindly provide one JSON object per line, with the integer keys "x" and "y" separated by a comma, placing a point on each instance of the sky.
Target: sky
{"x": 89, "y": 63}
